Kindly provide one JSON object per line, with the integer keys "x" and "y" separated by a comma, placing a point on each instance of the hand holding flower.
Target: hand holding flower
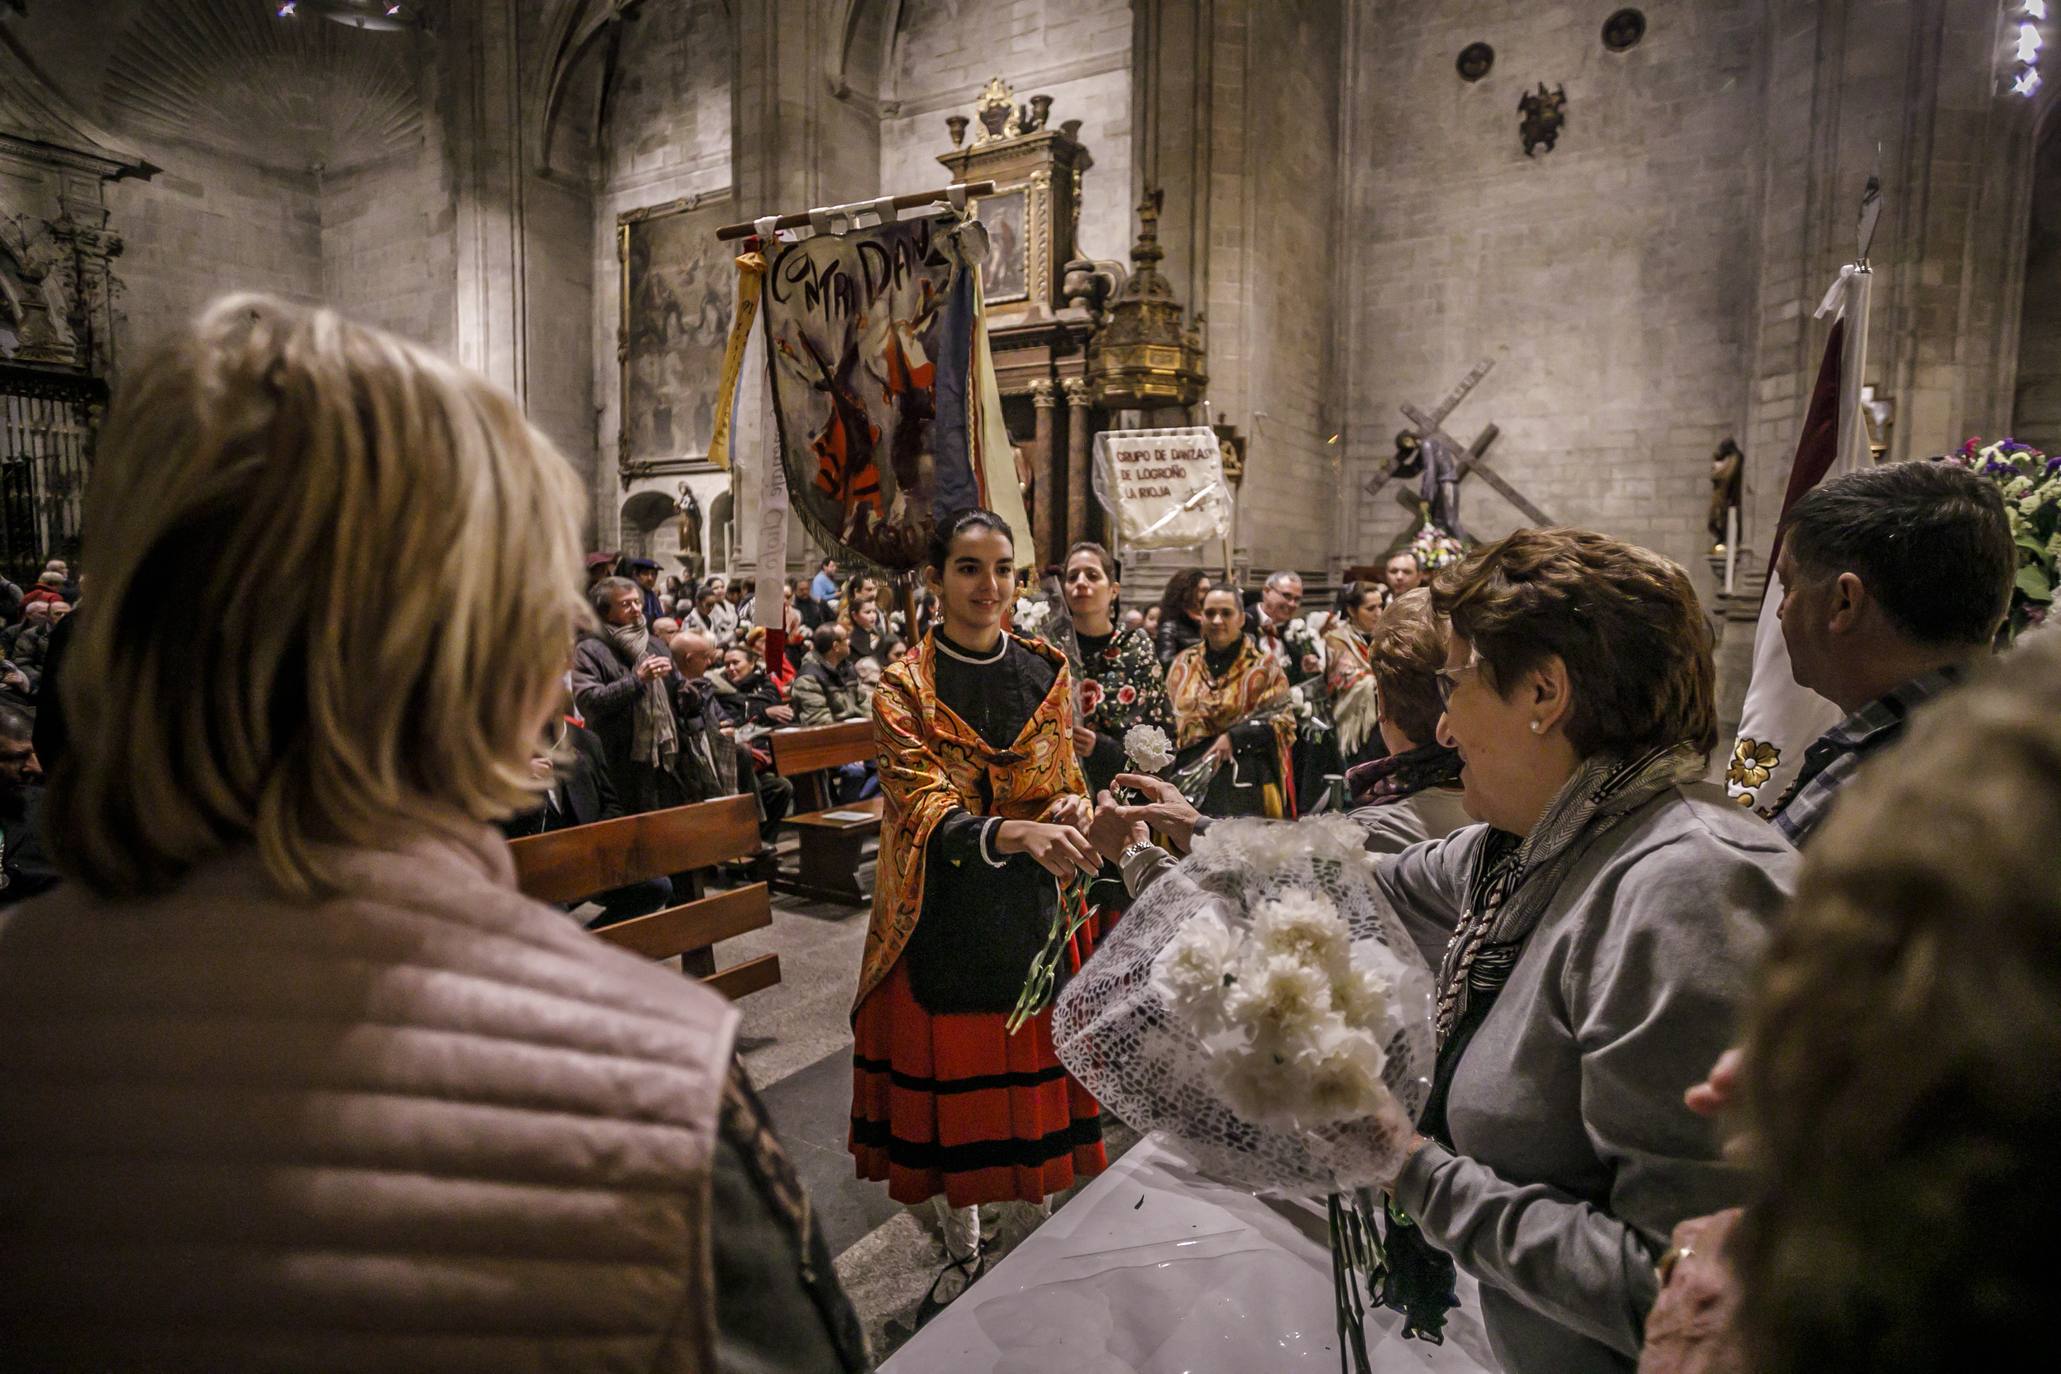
{"x": 1115, "y": 828}
{"x": 1061, "y": 850}
{"x": 1165, "y": 811}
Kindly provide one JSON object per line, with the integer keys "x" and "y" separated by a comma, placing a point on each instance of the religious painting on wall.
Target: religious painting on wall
{"x": 678, "y": 295}
{"x": 882, "y": 387}
{"x": 1003, "y": 274}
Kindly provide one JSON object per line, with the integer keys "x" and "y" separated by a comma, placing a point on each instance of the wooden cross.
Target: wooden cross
{"x": 1473, "y": 456}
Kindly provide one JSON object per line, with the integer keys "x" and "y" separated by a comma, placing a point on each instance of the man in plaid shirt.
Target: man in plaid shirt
{"x": 1894, "y": 581}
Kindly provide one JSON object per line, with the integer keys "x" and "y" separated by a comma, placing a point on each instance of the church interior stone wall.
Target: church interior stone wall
{"x": 1608, "y": 279}
{"x": 1357, "y": 223}
{"x": 944, "y": 51}
{"x": 2038, "y": 407}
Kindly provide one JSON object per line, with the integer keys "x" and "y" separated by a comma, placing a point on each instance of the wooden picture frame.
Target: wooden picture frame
{"x": 1005, "y": 276}
{"x": 678, "y": 294}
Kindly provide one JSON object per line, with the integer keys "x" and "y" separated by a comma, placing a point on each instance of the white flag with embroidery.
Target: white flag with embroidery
{"x": 1780, "y": 719}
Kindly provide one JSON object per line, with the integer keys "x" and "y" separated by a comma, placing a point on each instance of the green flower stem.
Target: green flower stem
{"x": 1071, "y": 915}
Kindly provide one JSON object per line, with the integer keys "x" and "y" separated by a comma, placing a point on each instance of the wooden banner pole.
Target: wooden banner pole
{"x": 964, "y": 190}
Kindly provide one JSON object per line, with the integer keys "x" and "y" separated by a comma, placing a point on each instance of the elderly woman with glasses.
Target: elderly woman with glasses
{"x": 1606, "y": 915}
{"x": 1599, "y": 925}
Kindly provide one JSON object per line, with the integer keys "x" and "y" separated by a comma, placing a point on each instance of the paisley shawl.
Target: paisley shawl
{"x": 1349, "y": 681}
{"x": 931, "y": 761}
{"x": 1205, "y": 707}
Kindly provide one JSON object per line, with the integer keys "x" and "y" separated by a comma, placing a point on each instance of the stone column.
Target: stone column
{"x": 1076, "y": 461}
{"x": 1047, "y": 511}
{"x": 482, "y": 111}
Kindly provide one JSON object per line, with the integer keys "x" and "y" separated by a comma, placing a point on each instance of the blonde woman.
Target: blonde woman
{"x": 293, "y": 1076}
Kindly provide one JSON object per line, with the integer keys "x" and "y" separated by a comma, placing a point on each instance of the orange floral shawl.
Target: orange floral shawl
{"x": 1205, "y": 707}
{"x": 931, "y": 761}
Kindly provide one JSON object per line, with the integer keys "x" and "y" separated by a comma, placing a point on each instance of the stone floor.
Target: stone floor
{"x": 796, "y": 1042}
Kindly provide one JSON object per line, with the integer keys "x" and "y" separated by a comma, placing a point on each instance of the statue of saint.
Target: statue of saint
{"x": 1727, "y": 467}
{"x": 691, "y": 559}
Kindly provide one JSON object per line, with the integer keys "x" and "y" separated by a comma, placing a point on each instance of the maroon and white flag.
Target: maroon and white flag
{"x": 1780, "y": 719}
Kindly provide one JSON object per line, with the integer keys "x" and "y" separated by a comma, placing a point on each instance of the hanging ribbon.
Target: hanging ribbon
{"x": 751, "y": 275}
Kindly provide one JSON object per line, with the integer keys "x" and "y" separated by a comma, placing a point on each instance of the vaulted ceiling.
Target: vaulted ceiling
{"x": 286, "y": 93}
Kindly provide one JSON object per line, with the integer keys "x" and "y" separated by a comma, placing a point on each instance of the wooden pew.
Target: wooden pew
{"x": 572, "y": 864}
{"x": 831, "y": 837}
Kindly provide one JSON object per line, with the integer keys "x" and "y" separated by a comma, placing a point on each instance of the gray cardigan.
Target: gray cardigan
{"x": 1575, "y": 1156}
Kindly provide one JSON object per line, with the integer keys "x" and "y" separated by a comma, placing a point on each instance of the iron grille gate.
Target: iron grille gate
{"x": 46, "y": 447}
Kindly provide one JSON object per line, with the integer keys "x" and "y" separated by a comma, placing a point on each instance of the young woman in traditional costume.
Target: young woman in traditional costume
{"x": 1216, "y": 688}
{"x": 985, "y": 809}
{"x": 1349, "y": 671}
{"x": 1120, "y": 682}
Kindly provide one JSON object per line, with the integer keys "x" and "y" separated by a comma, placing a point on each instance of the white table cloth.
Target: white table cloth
{"x": 1154, "y": 1269}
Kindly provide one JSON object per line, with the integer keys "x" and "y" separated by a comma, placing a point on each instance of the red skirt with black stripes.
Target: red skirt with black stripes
{"x": 954, "y": 1104}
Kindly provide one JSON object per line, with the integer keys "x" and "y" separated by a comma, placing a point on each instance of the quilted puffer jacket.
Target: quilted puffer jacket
{"x": 429, "y": 1125}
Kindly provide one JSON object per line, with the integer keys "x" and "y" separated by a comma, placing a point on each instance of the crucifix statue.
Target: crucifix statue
{"x": 1441, "y": 463}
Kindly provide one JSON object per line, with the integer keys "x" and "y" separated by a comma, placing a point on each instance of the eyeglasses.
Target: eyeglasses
{"x": 1449, "y": 680}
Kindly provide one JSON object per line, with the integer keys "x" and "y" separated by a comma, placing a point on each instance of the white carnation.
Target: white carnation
{"x": 1304, "y": 926}
{"x": 1362, "y": 994}
{"x": 1345, "y": 1082}
{"x": 1258, "y": 1089}
{"x": 1148, "y": 748}
{"x": 1280, "y": 1002}
{"x": 1190, "y": 971}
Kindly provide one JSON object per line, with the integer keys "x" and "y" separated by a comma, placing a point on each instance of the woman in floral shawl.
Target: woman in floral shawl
{"x": 1216, "y": 687}
{"x": 1349, "y": 671}
{"x": 984, "y": 813}
{"x": 1120, "y": 684}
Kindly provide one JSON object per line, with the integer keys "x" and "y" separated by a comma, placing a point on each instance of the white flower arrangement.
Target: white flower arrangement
{"x": 1326, "y": 838}
{"x": 1148, "y": 748}
{"x": 1304, "y": 710}
{"x": 1029, "y": 615}
{"x": 1291, "y": 1027}
{"x": 1264, "y": 1006}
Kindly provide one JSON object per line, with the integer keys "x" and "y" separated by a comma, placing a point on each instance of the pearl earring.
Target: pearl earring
{"x": 1536, "y": 727}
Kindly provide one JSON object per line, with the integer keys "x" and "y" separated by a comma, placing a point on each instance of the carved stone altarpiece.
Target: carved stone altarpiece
{"x": 1039, "y": 339}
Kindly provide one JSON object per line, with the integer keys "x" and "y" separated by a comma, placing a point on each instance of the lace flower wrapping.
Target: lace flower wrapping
{"x": 1263, "y": 1005}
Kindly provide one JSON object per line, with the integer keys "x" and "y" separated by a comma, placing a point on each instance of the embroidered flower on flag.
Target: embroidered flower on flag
{"x": 1091, "y": 695}
{"x": 1126, "y": 694}
{"x": 1752, "y": 762}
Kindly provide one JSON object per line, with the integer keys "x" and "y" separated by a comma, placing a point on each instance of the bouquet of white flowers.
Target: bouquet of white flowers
{"x": 1312, "y": 725}
{"x": 1263, "y": 1005}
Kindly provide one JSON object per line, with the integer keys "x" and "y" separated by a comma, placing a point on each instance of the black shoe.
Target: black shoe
{"x": 968, "y": 1269}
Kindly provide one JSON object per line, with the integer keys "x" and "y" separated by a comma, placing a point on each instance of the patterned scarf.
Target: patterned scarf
{"x": 1398, "y": 777}
{"x": 1514, "y": 883}
{"x": 654, "y": 739}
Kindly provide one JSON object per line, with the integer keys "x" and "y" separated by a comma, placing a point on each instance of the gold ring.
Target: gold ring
{"x": 1674, "y": 1256}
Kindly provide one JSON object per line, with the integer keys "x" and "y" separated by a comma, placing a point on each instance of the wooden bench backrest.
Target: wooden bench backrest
{"x": 821, "y": 746}
{"x": 578, "y": 862}
{"x": 567, "y": 865}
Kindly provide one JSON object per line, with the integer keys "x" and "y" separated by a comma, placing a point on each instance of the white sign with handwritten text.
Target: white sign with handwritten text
{"x": 1163, "y": 487}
